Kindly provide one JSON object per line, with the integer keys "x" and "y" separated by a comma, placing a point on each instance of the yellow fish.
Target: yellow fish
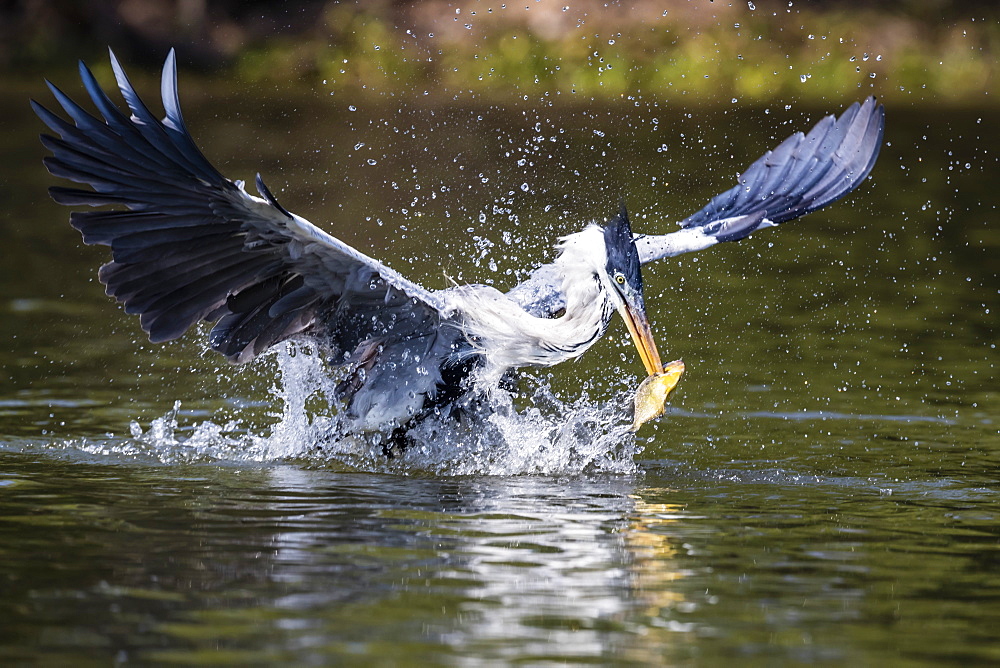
{"x": 651, "y": 395}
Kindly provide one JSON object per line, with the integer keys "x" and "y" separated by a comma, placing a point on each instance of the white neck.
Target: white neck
{"x": 510, "y": 337}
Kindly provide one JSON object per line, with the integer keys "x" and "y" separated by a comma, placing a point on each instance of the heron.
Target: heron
{"x": 190, "y": 245}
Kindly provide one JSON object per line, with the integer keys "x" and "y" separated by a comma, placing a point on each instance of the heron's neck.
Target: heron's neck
{"x": 588, "y": 306}
{"x": 507, "y": 336}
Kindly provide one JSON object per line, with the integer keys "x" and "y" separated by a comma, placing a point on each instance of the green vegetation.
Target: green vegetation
{"x": 923, "y": 52}
{"x": 698, "y": 49}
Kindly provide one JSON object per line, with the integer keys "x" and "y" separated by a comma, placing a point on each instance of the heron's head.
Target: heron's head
{"x": 622, "y": 279}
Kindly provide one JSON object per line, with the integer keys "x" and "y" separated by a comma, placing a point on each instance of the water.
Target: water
{"x": 823, "y": 488}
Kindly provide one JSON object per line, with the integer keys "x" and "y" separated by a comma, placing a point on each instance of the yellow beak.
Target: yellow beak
{"x": 642, "y": 336}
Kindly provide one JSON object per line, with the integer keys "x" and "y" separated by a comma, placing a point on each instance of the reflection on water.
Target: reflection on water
{"x": 298, "y": 554}
{"x": 222, "y": 564}
{"x": 823, "y": 488}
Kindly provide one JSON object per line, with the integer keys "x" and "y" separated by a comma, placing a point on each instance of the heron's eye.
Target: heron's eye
{"x": 620, "y": 279}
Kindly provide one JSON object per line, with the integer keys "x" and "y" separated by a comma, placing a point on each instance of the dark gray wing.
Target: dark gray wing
{"x": 804, "y": 173}
{"x": 191, "y": 245}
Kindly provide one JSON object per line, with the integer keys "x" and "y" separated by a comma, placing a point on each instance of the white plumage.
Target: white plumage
{"x": 508, "y": 337}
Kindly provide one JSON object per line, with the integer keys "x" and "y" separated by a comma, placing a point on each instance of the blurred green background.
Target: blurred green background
{"x": 920, "y": 51}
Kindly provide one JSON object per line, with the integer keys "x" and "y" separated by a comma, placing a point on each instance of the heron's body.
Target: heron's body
{"x": 481, "y": 335}
{"x": 189, "y": 245}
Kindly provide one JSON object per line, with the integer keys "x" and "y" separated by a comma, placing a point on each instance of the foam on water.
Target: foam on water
{"x": 546, "y": 435}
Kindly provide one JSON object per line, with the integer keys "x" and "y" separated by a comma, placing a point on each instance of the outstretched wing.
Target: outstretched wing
{"x": 804, "y": 173}
{"x": 191, "y": 245}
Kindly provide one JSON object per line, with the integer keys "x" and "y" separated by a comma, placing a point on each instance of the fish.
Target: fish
{"x": 652, "y": 394}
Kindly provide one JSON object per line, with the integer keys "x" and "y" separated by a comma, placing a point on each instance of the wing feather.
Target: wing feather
{"x": 808, "y": 172}
{"x": 802, "y": 174}
{"x": 188, "y": 244}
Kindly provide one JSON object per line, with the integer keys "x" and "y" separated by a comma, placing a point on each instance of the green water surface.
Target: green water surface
{"x": 823, "y": 490}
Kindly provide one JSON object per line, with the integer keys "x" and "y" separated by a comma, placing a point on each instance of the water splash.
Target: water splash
{"x": 549, "y": 437}
{"x": 507, "y": 435}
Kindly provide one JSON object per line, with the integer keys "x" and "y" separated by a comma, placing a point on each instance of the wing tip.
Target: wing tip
{"x": 265, "y": 192}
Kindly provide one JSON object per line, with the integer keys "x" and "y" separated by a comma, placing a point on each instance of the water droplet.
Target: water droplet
{"x": 751, "y": 6}
{"x": 352, "y": 108}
